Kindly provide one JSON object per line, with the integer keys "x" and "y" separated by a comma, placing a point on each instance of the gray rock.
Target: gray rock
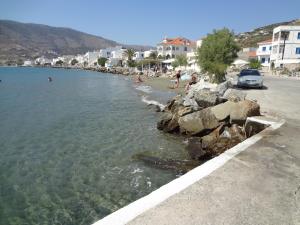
{"x": 222, "y": 111}
{"x": 197, "y": 122}
{"x": 190, "y": 102}
{"x": 206, "y": 98}
{"x": 237, "y": 112}
{"x": 221, "y": 88}
{"x": 242, "y": 110}
{"x": 164, "y": 121}
{"x": 234, "y": 95}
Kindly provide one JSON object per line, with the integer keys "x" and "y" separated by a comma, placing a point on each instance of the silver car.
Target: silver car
{"x": 250, "y": 78}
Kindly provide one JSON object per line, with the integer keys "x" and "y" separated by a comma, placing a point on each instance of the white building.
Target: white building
{"x": 91, "y": 57}
{"x": 171, "y": 47}
{"x": 148, "y": 53}
{"x": 43, "y": 61}
{"x": 286, "y": 47}
{"x": 27, "y": 63}
{"x": 263, "y": 52}
{"x": 192, "y": 57}
{"x": 118, "y": 54}
{"x": 106, "y": 53}
{"x": 138, "y": 56}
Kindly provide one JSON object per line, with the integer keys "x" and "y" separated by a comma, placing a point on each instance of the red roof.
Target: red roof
{"x": 265, "y": 42}
{"x": 177, "y": 41}
{"x": 252, "y": 54}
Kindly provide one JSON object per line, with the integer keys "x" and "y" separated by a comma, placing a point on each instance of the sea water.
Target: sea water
{"x": 66, "y": 146}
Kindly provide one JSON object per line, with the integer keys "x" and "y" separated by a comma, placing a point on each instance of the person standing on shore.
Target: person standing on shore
{"x": 177, "y": 75}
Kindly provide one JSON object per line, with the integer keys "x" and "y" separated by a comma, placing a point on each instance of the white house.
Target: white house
{"x": 118, "y": 54}
{"x": 43, "y": 61}
{"x": 148, "y": 53}
{"x": 27, "y": 63}
{"x": 106, "y": 53}
{"x": 171, "y": 47}
{"x": 91, "y": 57}
{"x": 263, "y": 52}
{"x": 286, "y": 47}
{"x": 138, "y": 56}
{"x": 192, "y": 57}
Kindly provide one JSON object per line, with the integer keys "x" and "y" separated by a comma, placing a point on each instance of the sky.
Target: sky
{"x": 148, "y": 22}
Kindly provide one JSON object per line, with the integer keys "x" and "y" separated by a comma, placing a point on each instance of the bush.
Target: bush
{"x": 254, "y": 64}
{"x": 74, "y": 61}
{"x": 102, "y": 61}
{"x": 217, "y": 52}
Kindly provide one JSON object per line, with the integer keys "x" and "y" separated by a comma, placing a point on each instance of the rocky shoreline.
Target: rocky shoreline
{"x": 213, "y": 118}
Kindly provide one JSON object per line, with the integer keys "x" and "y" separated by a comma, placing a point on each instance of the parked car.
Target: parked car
{"x": 250, "y": 78}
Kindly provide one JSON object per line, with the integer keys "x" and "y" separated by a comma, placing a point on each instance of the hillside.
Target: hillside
{"x": 250, "y": 39}
{"x": 27, "y": 40}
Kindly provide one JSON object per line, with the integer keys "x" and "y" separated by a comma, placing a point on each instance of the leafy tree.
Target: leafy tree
{"x": 85, "y": 63}
{"x": 181, "y": 60}
{"x": 20, "y": 62}
{"x": 153, "y": 55}
{"x": 254, "y": 64}
{"x": 102, "y": 61}
{"x": 74, "y": 61}
{"x": 175, "y": 64}
{"x": 59, "y": 63}
{"x": 217, "y": 52}
{"x": 129, "y": 53}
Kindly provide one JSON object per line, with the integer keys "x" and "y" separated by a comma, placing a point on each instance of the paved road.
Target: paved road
{"x": 260, "y": 186}
{"x": 281, "y": 96}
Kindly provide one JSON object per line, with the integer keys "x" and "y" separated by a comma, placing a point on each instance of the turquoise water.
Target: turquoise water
{"x": 66, "y": 146}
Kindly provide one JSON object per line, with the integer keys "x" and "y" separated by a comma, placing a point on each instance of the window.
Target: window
{"x": 298, "y": 51}
{"x": 185, "y": 48}
{"x": 270, "y": 48}
{"x": 268, "y": 60}
{"x": 298, "y": 35}
{"x": 263, "y": 60}
{"x": 177, "y": 48}
{"x": 264, "y": 49}
{"x": 173, "y": 48}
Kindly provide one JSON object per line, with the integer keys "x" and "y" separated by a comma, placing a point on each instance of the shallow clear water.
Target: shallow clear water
{"x": 66, "y": 146}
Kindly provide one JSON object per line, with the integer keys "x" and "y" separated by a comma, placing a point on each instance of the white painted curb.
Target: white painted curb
{"x": 134, "y": 209}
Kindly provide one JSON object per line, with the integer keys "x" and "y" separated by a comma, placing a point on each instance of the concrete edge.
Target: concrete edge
{"x": 134, "y": 209}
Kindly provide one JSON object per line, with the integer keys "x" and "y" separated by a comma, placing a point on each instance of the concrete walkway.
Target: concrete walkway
{"x": 260, "y": 186}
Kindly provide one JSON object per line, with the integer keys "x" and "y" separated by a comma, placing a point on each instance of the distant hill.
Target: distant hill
{"x": 27, "y": 40}
{"x": 251, "y": 38}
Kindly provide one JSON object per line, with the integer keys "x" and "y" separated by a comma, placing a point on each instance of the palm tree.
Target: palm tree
{"x": 129, "y": 53}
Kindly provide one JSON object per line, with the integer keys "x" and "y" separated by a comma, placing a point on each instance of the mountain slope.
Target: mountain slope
{"x": 250, "y": 39}
{"x": 27, "y": 40}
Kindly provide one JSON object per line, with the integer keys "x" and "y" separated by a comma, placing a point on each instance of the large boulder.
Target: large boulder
{"x": 162, "y": 124}
{"x": 237, "y": 112}
{"x": 206, "y": 98}
{"x": 242, "y": 110}
{"x": 222, "y": 111}
{"x": 234, "y": 95}
{"x": 195, "y": 150}
{"x": 222, "y": 88}
{"x": 197, "y": 122}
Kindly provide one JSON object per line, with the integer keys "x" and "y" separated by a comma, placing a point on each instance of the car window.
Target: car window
{"x": 249, "y": 73}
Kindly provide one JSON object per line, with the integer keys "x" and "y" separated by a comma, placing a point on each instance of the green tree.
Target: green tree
{"x": 102, "y": 61}
{"x": 180, "y": 60}
{"x": 59, "y": 63}
{"x": 254, "y": 64}
{"x": 153, "y": 55}
{"x": 74, "y": 61}
{"x": 217, "y": 52}
{"x": 129, "y": 53}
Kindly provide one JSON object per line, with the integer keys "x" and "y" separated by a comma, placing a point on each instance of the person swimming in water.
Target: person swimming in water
{"x": 50, "y": 79}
